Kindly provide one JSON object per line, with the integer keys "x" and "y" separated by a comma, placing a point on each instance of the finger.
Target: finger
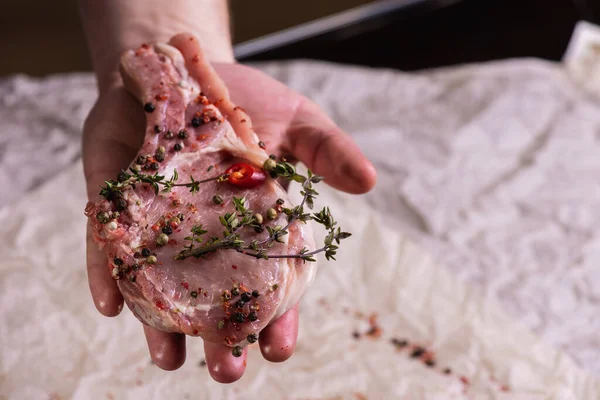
{"x": 222, "y": 365}
{"x": 278, "y": 340}
{"x": 166, "y": 349}
{"x": 107, "y": 297}
{"x": 327, "y": 150}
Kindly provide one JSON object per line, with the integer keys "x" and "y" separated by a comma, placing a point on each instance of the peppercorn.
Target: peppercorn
{"x": 217, "y": 199}
{"x": 262, "y": 145}
{"x": 238, "y": 317}
{"x": 226, "y": 295}
{"x": 154, "y": 166}
{"x": 271, "y": 213}
{"x": 272, "y": 156}
{"x": 167, "y": 230}
{"x": 161, "y": 149}
{"x": 157, "y": 129}
{"x": 135, "y": 267}
{"x": 447, "y": 371}
{"x": 235, "y": 291}
{"x": 196, "y": 122}
{"x": 259, "y": 229}
{"x": 117, "y": 261}
{"x": 162, "y": 239}
{"x": 417, "y": 352}
{"x": 120, "y": 203}
{"x": 141, "y": 160}
{"x": 151, "y": 260}
{"x": 177, "y": 147}
{"x": 255, "y": 293}
{"x": 132, "y": 278}
{"x": 269, "y": 164}
{"x": 102, "y": 217}
{"x": 252, "y": 316}
{"x": 122, "y": 177}
{"x": 252, "y": 338}
{"x": 430, "y": 363}
{"x": 149, "y": 107}
{"x": 169, "y": 134}
{"x": 240, "y": 304}
{"x": 246, "y": 296}
{"x": 180, "y": 216}
{"x": 112, "y": 225}
{"x": 159, "y": 157}
{"x": 182, "y": 134}
{"x": 136, "y": 168}
{"x": 237, "y": 351}
{"x": 115, "y": 272}
{"x": 280, "y": 202}
{"x": 258, "y": 218}
{"x": 145, "y": 252}
{"x": 194, "y": 294}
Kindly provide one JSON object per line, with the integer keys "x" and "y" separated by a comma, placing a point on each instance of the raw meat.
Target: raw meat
{"x": 193, "y": 128}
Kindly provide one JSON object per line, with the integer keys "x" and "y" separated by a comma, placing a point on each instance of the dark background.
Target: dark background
{"x": 43, "y": 37}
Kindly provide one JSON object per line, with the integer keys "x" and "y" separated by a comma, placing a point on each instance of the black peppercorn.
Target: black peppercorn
{"x": 237, "y": 351}
{"x": 177, "y": 147}
{"x": 132, "y": 278}
{"x": 240, "y": 304}
{"x": 120, "y": 203}
{"x": 169, "y": 135}
{"x": 141, "y": 160}
{"x": 122, "y": 177}
{"x": 196, "y": 122}
{"x": 272, "y": 156}
{"x": 430, "y": 363}
{"x": 235, "y": 291}
{"x": 417, "y": 352}
{"x": 118, "y": 261}
{"x": 280, "y": 202}
{"x": 262, "y": 145}
{"x": 217, "y": 199}
{"x": 145, "y": 252}
{"x": 194, "y": 294}
{"x": 182, "y": 134}
{"x": 149, "y": 107}
{"x": 159, "y": 157}
{"x": 154, "y": 166}
{"x": 238, "y": 317}
{"x": 157, "y": 129}
{"x": 252, "y": 316}
{"x": 259, "y": 229}
{"x": 246, "y": 296}
{"x": 255, "y": 293}
{"x": 167, "y": 230}
{"x": 252, "y": 338}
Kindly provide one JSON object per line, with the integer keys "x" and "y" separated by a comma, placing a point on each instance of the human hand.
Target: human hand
{"x": 288, "y": 123}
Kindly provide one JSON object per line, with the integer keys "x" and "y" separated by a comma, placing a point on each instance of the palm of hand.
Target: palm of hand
{"x": 288, "y": 123}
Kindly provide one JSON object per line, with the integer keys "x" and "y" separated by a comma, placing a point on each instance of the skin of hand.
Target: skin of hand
{"x": 288, "y": 123}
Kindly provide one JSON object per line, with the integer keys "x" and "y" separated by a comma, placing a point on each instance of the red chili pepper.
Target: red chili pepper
{"x": 245, "y": 176}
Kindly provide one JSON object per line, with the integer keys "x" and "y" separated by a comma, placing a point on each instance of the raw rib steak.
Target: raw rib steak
{"x": 193, "y": 128}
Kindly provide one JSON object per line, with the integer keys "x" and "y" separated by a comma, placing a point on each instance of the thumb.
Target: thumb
{"x": 318, "y": 142}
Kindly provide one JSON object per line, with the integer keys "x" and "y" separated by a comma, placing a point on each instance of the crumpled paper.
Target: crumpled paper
{"x": 492, "y": 169}
{"x": 55, "y": 345}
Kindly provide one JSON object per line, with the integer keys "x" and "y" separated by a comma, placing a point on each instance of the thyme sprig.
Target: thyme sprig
{"x": 234, "y": 222}
{"x": 112, "y": 189}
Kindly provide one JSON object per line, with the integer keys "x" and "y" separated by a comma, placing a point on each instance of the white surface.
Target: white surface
{"x": 493, "y": 169}
{"x": 50, "y": 331}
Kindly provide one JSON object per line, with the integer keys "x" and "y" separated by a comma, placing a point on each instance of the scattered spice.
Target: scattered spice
{"x": 430, "y": 363}
{"x": 252, "y": 317}
{"x": 194, "y": 294}
{"x": 157, "y": 129}
{"x": 238, "y": 317}
{"x": 252, "y": 338}
{"x": 182, "y": 134}
{"x": 197, "y": 121}
{"x": 151, "y": 260}
{"x": 145, "y": 252}
{"x": 202, "y": 363}
{"x": 169, "y": 134}
{"x": 217, "y": 199}
{"x": 103, "y": 217}
{"x": 356, "y": 335}
{"x": 237, "y": 351}
{"x": 255, "y": 293}
{"x": 417, "y": 352}
{"x": 210, "y": 168}
{"x": 154, "y": 166}
{"x": 149, "y": 107}
{"x": 235, "y": 291}
{"x": 271, "y": 214}
{"x": 234, "y": 266}
{"x": 246, "y": 296}
{"x": 178, "y": 147}
{"x": 447, "y": 371}
{"x": 226, "y": 295}
{"x": 162, "y": 239}
{"x": 261, "y": 144}
{"x": 274, "y": 287}
{"x": 132, "y": 278}
{"x": 258, "y": 218}
{"x": 400, "y": 344}
{"x": 167, "y": 230}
